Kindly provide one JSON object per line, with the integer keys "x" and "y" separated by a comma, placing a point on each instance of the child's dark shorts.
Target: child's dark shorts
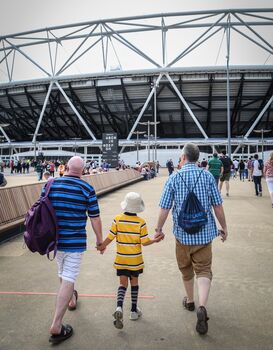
{"x": 129, "y": 273}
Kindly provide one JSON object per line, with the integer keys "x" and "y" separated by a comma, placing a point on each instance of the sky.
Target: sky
{"x": 18, "y": 15}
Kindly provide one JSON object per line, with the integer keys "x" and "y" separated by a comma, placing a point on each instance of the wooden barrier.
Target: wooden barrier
{"x": 15, "y": 201}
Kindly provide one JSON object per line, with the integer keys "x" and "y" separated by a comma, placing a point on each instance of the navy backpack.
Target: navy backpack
{"x": 41, "y": 226}
{"x": 192, "y": 216}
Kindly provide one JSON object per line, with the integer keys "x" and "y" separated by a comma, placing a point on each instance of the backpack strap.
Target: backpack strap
{"x": 180, "y": 175}
{"x": 48, "y": 186}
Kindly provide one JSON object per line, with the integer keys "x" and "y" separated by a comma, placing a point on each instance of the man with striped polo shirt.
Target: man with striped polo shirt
{"x": 193, "y": 251}
{"x": 72, "y": 198}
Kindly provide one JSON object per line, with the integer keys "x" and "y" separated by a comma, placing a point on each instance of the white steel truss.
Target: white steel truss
{"x": 109, "y": 32}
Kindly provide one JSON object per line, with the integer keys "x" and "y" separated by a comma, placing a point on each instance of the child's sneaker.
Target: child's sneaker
{"x": 134, "y": 315}
{"x": 118, "y": 318}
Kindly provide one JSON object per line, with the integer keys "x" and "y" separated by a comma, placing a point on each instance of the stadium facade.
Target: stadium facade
{"x": 212, "y": 106}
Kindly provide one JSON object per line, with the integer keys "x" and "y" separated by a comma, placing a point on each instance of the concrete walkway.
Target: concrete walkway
{"x": 240, "y": 306}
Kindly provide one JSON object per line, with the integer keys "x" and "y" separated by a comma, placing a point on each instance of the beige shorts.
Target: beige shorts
{"x": 194, "y": 259}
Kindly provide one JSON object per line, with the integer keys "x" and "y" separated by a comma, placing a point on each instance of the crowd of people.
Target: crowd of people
{"x": 254, "y": 169}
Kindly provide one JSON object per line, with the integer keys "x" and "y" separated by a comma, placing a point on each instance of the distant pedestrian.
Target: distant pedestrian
{"x": 257, "y": 174}
{"x": 157, "y": 167}
{"x": 61, "y": 169}
{"x": 242, "y": 170}
{"x": 3, "y": 180}
{"x": 170, "y": 166}
{"x": 47, "y": 176}
{"x": 193, "y": 251}
{"x": 130, "y": 232}
{"x": 268, "y": 172}
{"x": 204, "y": 163}
{"x": 249, "y": 168}
{"x": 236, "y": 167}
{"x": 39, "y": 170}
{"x": 215, "y": 167}
{"x": 227, "y": 163}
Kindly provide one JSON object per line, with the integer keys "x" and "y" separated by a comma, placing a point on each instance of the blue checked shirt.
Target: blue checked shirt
{"x": 175, "y": 192}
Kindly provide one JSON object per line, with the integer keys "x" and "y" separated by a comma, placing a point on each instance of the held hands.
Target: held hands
{"x": 101, "y": 247}
{"x": 223, "y": 234}
{"x": 159, "y": 235}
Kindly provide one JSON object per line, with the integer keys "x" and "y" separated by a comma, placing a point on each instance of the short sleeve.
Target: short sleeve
{"x": 215, "y": 197}
{"x": 93, "y": 206}
{"x": 167, "y": 196}
{"x": 144, "y": 238}
{"x": 113, "y": 231}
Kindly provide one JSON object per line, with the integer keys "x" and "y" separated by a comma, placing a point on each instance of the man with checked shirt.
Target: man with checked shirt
{"x": 193, "y": 251}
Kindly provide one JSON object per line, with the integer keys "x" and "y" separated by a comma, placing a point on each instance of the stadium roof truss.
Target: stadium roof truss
{"x": 207, "y": 104}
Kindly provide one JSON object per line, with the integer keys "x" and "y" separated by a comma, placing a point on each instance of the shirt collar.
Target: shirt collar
{"x": 189, "y": 165}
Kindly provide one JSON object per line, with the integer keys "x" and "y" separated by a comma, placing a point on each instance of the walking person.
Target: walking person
{"x": 236, "y": 167}
{"x": 227, "y": 164}
{"x": 72, "y": 198}
{"x": 170, "y": 166}
{"x": 193, "y": 251}
{"x": 130, "y": 232}
{"x": 242, "y": 170}
{"x": 249, "y": 168}
{"x": 268, "y": 172}
{"x": 257, "y": 174}
{"x": 39, "y": 170}
{"x": 215, "y": 167}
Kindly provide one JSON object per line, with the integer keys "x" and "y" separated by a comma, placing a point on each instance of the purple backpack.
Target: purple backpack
{"x": 41, "y": 233}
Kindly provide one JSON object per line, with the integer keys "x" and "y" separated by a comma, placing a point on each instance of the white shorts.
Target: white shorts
{"x": 68, "y": 265}
{"x": 269, "y": 182}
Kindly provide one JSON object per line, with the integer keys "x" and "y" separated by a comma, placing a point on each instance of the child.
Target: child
{"x": 130, "y": 232}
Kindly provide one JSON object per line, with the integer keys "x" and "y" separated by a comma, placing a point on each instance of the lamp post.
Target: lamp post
{"x": 262, "y": 132}
{"x": 75, "y": 146}
{"x": 137, "y": 133}
{"x": 35, "y": 142}
{"x": 1, "y": 140}
{"x": 148, "y": 123}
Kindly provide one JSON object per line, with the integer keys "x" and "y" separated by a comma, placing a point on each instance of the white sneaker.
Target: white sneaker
{"x": 134, "y": 315}
{"x": 118, "y": 318}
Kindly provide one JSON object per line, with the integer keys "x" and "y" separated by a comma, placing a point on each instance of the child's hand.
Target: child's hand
{"x": 159, "y": 238}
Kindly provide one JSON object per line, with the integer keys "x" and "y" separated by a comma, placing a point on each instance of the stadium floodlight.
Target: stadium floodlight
{"x": 75, "y": 139}
{"x": 148, "y": 123}
{"x": 36, "y": 135}
{"x": 137, "y": 133}
{"x": 262, "y": 132}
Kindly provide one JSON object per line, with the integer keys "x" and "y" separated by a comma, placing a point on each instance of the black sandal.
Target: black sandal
{"x": 202, "y": 320}
{"x": 188, "y": 306}
{"x": 72, "y": 308}
{"x": 66, "y": 332}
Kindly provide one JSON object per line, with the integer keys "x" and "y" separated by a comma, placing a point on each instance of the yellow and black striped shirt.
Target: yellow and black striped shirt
{"x": 130, "y": 232}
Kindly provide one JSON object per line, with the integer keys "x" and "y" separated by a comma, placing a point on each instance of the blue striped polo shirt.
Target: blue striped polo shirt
{"x": 72, "y": 199}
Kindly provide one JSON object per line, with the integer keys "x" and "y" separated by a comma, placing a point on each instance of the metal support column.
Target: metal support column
{"x": 155, "y": 122}
{"x": 42, "y": 114}
{"x": 228, "y": 87}
{"x": 75, "y": 111}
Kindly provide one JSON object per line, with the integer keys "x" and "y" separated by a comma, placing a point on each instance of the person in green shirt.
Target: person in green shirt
{"x": 215, "y": 167}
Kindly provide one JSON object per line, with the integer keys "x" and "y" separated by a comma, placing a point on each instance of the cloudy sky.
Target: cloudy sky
{"x": 18, "y": 15}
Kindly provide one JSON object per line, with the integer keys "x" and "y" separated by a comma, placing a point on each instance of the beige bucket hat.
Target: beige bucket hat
{"x": 133, "y": 203}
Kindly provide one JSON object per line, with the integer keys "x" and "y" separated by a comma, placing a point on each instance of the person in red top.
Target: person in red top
{"x": 268, "y": 172}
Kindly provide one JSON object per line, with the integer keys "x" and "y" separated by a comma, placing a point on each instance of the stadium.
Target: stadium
{"x": 214, "y": 106}
{"x": 118, "y": 131}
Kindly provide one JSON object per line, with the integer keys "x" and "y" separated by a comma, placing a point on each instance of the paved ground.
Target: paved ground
{"x": 240, "y": 306}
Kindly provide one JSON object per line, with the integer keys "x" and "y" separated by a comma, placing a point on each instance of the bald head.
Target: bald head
{"x": 75, "y": 166}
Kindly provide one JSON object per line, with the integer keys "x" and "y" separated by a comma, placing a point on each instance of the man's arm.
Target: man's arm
{"x": 163, "y": 214}
{"x": 220, "y": 215}
{"x": 97, "y": 227}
